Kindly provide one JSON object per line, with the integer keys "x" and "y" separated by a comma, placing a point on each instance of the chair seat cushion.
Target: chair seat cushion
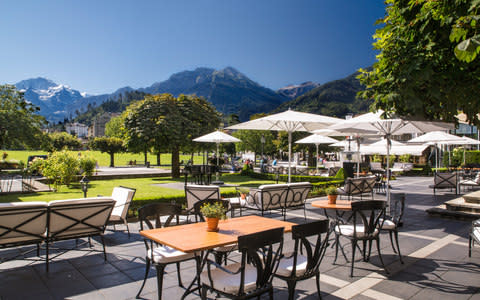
{"x": 348, "y": 230}
{"x": 387, "y": 224}
{"x": 476, "y": 234}
{"x": 285, "y": 266}
{"x": 227, "y": 248}
{"x": 229, "y": 283}
{"x": 237, "y": 202}
{"x": 165, "y": 255}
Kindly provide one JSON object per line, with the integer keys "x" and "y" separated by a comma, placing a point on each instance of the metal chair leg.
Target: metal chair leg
{"x": 398, "y": 247}
{"x": 160, "y": 269}
{"x": 391, "y": 241}
{"x": 380, "y": 256}
{"x": 147, "y": 269}
{"x": 354, "y": 247}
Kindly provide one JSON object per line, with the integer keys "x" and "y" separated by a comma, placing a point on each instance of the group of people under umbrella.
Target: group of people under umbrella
{"x": 323, "y": 127}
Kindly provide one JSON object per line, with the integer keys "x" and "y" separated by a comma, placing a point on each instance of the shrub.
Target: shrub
{"x": 331, "y": 190}
{"x": 214, "y": 210}
{"x": 340, "y": 174}
{"x": 87, "y": 165}
{"x": 60, "y": 168}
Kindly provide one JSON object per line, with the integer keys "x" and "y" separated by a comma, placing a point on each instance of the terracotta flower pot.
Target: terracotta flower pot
{"x": 212, "y": 224}
{"x": 332, "y": 199}
{"x": 242, "y": 196}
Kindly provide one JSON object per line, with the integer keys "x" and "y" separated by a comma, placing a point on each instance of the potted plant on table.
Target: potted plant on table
{"x": 332, "y": 193}
{"x": 213, "y": 212}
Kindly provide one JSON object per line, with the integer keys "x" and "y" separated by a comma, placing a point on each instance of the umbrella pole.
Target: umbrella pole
{"x": 358, "y": 157}
{"x": 316, "y": 171}
{"x": 218, "y": 163}
{"x": 464, "y": 155}
{"x": 388, "y": 173}
{"x": 289, "y": 154}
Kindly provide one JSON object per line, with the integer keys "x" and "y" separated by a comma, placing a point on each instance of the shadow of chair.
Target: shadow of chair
{"x": 253, "y": 275}
{"x": 156, "y": 254}
{"x": 295, "y": 266}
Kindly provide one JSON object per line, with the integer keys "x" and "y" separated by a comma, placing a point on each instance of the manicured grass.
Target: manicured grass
{"x": 147, "y": 188}
{"x": 103, "y": 159}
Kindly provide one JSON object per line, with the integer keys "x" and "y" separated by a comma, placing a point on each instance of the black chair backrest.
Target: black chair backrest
{"x": 368, "y": 213}
{"x": 264, "y": 250}
{"x": 300, "y": 233}
{"x": 194, "y": 193}
{"x": 155, "y": 211}
{"x": 199, "y": 204}
{"x": 397, "y": 207}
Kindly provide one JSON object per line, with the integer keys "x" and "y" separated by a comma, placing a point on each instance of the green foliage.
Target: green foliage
{"x": 87, "y": 165}
{"x": 251, "y": 141}
{"x": 247, "y": 170}
{"x": 214, "y": 210}
{"x": 417, "y": 73}
{"x": 472, "y": 157}
{"x": 340, "y": 174}
{"x": 376, "y": 158}
{"x": 114, "y": 127}
{"x": 404, "y": 158}
{"x": 20, "y": 125}
{"x": 110, "y": 145}
{"x": 166, "y": 123}
{"x": 331, "y": 190}
{"x": 60, "y": 167}
{"x": 62, "y": 140}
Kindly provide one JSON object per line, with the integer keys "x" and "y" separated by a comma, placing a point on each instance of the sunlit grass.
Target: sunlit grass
{"x": 147, "y": 188}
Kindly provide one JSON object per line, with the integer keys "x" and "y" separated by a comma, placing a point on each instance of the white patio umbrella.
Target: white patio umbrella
{"x": 217, "y": 137}
{"x": 316, "y": 139}
{"x": 397, "y": 148}
{"x": 465, "y": 141}
{"x": 435, "y": 138}
{"x": 387, "y": 128}
{"x": 289, "y": 121}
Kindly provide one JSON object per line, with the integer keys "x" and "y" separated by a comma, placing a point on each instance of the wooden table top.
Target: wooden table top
{"x": 339, "y": 205}
{"x": 194, "y": 237}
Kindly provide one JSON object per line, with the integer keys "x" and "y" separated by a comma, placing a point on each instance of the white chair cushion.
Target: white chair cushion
{"x": 476, "y": 233}
{"x": 165, "y": 255}
{"x": 285, "y": 266}
{"x": 229, "y": 283}
{"x": 347, "y": 230}
{"x": 227, "y": 248}
{"x": 237, "y": 201}
{"x": 387, "y": 224}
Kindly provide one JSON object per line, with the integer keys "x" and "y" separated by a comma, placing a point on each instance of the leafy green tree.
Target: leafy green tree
{"x": 20, "y": 126}
{"x": 114, "y": 127}
{"x": 418, "y": 72}
{"x": 165, "y": 122}
{"x": 60, "y": 167}
{"x": 251, "y": 141}
{"x": 63, "y": 140}
{"x": 110, "y": 145}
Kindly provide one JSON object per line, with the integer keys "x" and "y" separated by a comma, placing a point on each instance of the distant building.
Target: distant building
{"x": 77, "y": 129}
{"x": 98, "y": 126}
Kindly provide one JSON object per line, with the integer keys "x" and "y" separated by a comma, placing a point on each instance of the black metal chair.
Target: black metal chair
{"x": 294, "y": 266}
{"x": 220, "y": 253}
{"x": 247, "y": 280}
{"x": 159, "y": 255}
{"x": 366, "y": 221}
{"x": 394, "y": 220}
{"x": 195, "y": 193}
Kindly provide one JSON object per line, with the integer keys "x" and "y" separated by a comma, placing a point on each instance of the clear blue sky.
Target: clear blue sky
{"x": 97, "y": 46}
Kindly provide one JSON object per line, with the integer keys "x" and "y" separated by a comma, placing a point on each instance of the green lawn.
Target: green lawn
{"x": 103, "y": 159}
{"x": 147, "y": 188}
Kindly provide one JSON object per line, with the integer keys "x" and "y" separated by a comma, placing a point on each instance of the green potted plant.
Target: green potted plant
{"x": 213, "y": 212}
{"x": 332, "y": 193}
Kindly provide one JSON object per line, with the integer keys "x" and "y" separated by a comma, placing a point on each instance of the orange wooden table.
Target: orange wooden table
{"x": 339, "y": 205}
{"x": 194, "y": 238}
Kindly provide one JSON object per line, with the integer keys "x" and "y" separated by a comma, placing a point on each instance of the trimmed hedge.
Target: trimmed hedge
{"x": 293, "y": 178}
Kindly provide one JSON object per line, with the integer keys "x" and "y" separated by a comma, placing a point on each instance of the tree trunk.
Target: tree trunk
{"x": 175, "y": 162}
{"x": 112, "y": 160}
{"x": 158, "y": 159}
{"x": 145, "y": 155}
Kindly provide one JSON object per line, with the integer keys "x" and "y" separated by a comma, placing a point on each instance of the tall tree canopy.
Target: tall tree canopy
{"x": 164, "y": 122}
{"x": 418, "y": 72}
{"x": 20, "y": 126}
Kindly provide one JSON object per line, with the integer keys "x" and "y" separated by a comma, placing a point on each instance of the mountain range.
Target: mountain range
{"x": 228, "y": 90}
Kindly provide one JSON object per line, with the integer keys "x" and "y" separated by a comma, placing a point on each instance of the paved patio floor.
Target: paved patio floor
{"x": 435, "y": 251}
